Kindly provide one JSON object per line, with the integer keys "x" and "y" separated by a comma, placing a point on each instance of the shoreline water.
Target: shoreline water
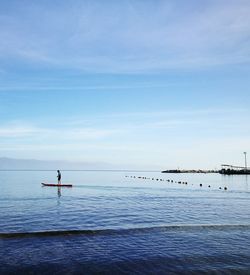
{"x": 123, "y": 222}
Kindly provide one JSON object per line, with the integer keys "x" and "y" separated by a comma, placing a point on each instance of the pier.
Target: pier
{"x": 227, "y": 169}
{"x": 190, "y": 171}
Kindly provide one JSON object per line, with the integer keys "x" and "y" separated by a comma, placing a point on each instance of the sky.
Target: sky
{"x": 133, "y": 84}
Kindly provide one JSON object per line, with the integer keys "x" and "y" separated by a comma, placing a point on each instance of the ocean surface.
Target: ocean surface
{"x": 120, "y": 222}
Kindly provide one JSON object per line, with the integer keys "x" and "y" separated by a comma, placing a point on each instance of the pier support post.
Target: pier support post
{"x": 245, "y": 153}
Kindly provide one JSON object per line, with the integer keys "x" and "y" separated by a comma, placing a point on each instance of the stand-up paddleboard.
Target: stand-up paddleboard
{"x": 56, "y": 185}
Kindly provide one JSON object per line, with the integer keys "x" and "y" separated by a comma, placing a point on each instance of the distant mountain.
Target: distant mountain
{"x": 33, "y": 164}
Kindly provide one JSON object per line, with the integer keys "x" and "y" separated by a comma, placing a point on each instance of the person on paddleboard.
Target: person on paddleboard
{"x": 59, "y": 176}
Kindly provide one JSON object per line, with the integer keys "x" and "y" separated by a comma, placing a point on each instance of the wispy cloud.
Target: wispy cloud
{"x": 33, "y": 132}
{"x": 127, "y": 36}
{"x": 142, "y": 138}
{"x": 171, "y": 116}
{"x": 84, "y": 88}
{"x": 117, "y": 125}
{"x": 18, "y": 131}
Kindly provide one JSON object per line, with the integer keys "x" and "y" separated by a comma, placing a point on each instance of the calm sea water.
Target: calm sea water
{"x": 119, "y": 222}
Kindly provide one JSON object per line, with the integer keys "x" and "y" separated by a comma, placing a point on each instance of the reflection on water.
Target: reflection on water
{"x": 246, "y": 182}
{"x": 59, "y": 194}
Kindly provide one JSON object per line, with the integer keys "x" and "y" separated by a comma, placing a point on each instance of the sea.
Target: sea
{"x": 124, "y": 222}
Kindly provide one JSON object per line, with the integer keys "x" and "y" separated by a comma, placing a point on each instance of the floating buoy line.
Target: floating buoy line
{"x": 170, "y": 181}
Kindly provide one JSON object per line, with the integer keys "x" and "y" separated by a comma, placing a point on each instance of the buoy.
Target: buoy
{"x": 209, "y": 186}
{"x": 225, "y": 188}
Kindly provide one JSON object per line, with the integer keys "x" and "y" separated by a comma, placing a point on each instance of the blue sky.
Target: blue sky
{"x": 134, "y": 84}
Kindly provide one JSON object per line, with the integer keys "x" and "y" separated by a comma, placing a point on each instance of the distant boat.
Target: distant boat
{"x": 56, "y": 185}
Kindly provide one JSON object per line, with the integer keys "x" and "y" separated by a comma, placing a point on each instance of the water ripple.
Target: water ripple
{"x": 171, "y": 227}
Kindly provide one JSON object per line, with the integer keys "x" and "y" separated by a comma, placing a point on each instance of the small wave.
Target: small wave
{"x": 90, "y": 232}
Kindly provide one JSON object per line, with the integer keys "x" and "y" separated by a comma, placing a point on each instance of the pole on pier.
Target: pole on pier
{"x": 245, "y": 153}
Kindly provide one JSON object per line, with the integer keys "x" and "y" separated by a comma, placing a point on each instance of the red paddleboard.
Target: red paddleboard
{"x": 56, "y": 185}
